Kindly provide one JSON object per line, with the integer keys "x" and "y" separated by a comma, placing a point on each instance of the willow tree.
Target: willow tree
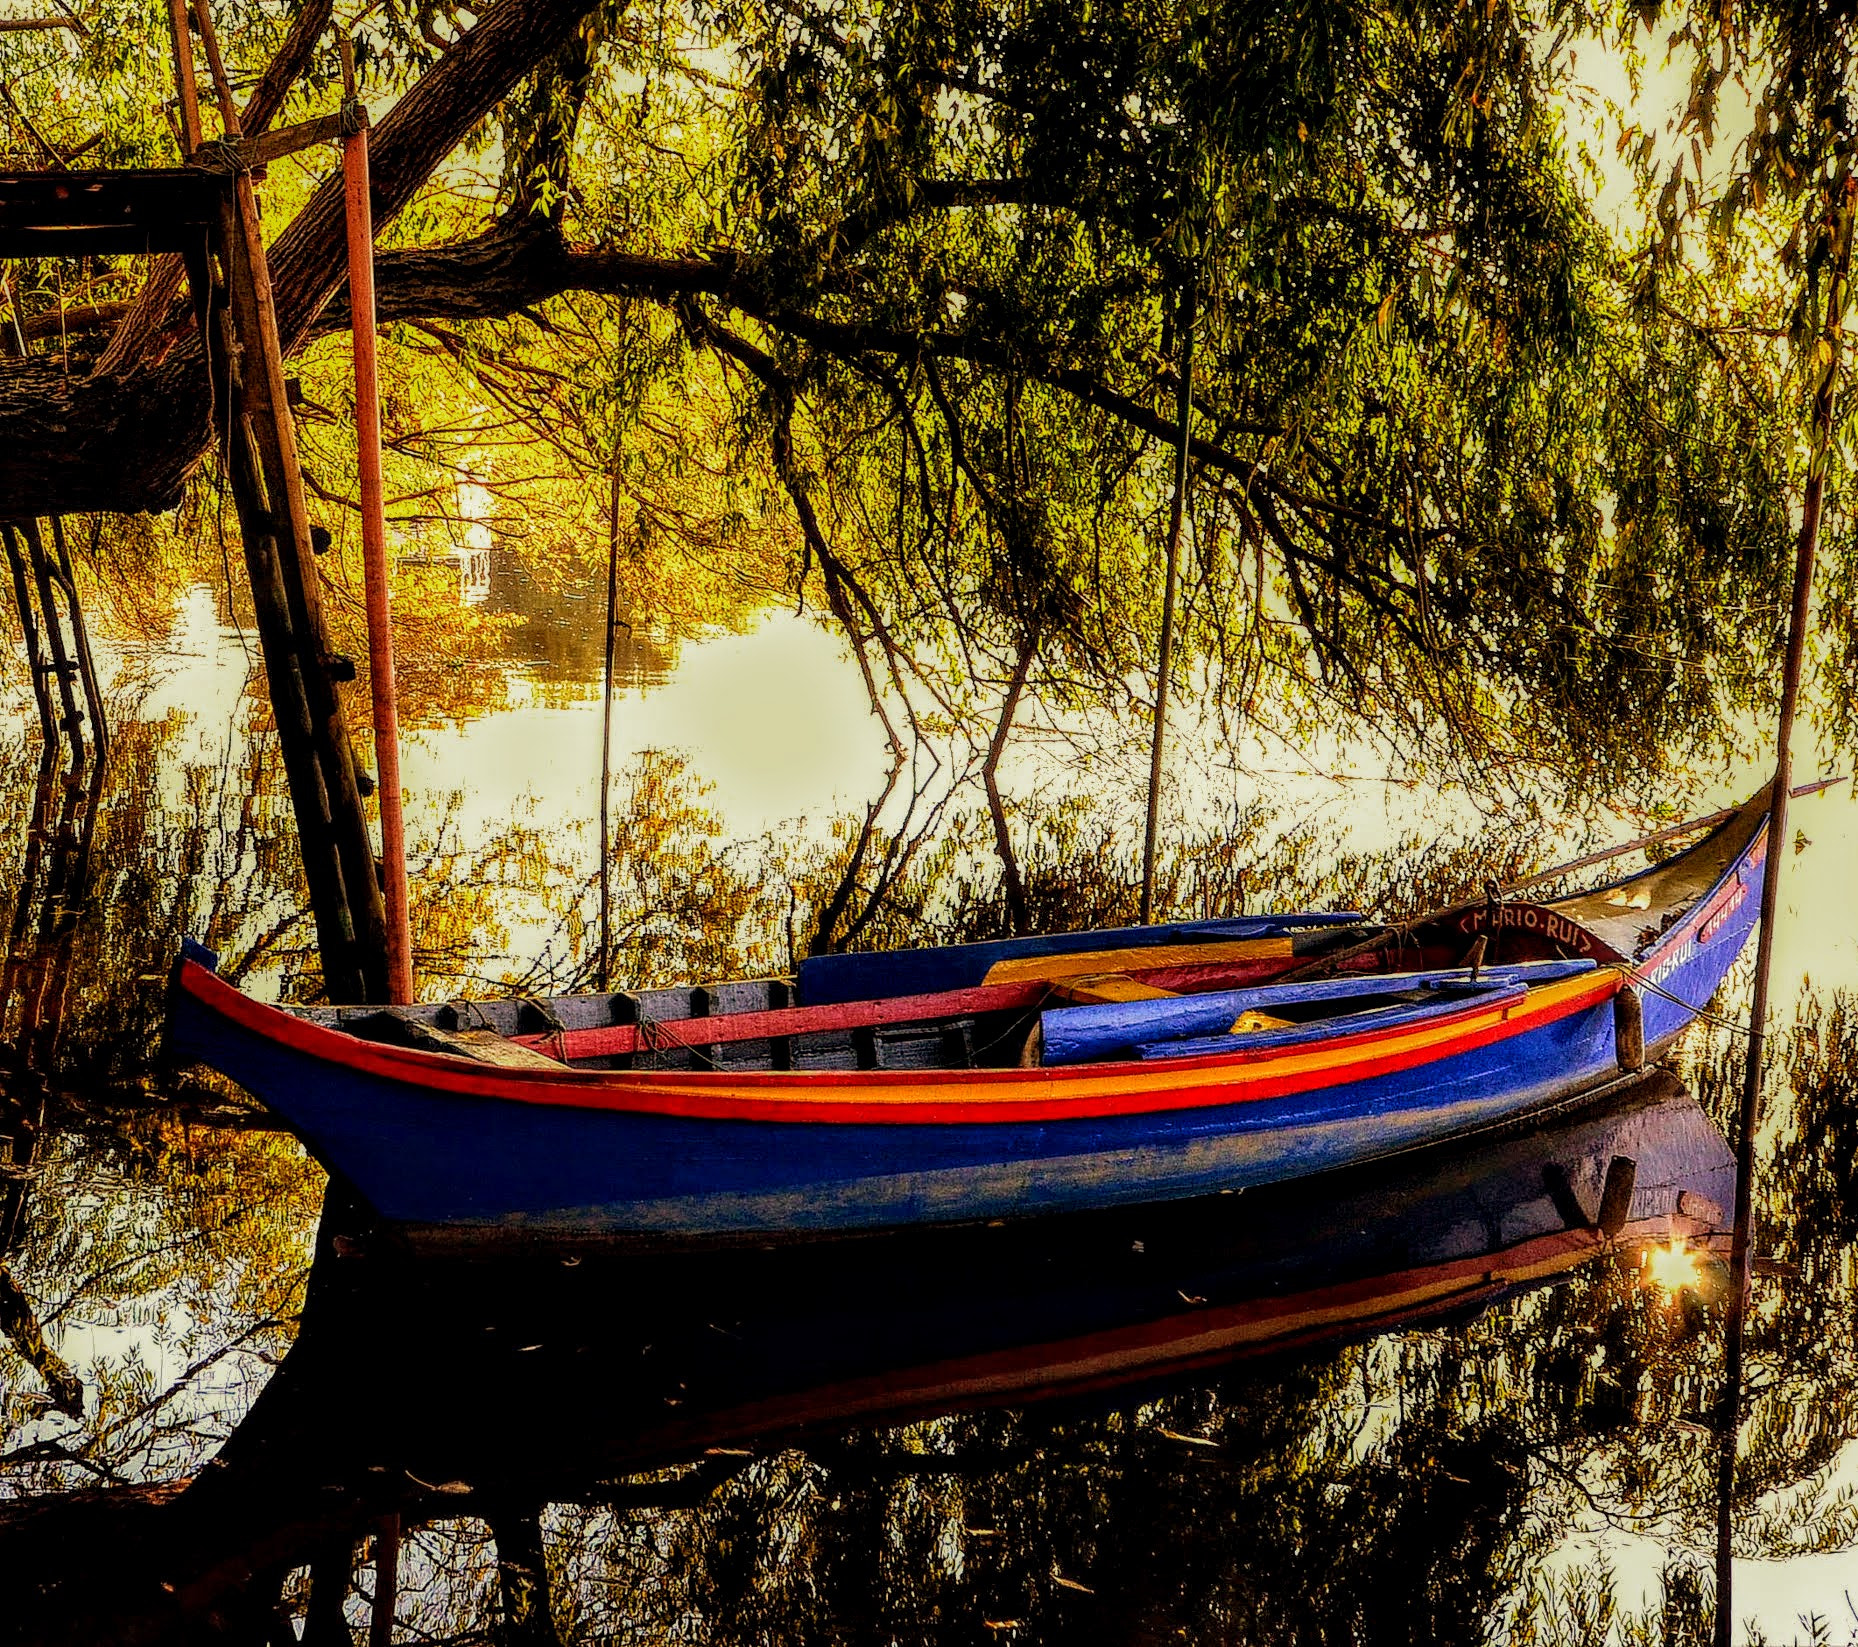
{"x": 1459, "y": 474}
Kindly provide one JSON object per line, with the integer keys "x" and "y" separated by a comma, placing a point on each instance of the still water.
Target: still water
{"x": 1426, "y": 1404}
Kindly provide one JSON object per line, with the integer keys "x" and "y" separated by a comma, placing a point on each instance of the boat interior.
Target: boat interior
{"x": 1314, "y": 980}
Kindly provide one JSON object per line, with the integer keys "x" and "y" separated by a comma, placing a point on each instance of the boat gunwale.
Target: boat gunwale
{"x": 1078, "y": 1091}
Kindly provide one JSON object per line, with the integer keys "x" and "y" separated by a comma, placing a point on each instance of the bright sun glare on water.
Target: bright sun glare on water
{"x": 1672, "y": 1267}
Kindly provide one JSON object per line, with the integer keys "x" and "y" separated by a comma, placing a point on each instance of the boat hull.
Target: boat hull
{"x": 426, "y": 1157}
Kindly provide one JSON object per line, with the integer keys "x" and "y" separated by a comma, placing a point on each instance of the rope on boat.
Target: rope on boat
{"x": 1734, "y": 1026}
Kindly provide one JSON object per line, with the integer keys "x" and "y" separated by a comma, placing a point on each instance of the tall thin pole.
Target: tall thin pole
{"x": 1165, "y": 663}
{"x": 606, "y": 736}
{"x": 1730, "y": 1415}
{"x": 374, "y": 536}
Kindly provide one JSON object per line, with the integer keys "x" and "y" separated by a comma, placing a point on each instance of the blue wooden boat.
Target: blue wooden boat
{"x": 986, "y": 1082}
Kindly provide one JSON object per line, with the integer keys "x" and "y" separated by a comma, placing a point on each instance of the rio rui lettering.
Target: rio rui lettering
{"x": 1544, "y": 922}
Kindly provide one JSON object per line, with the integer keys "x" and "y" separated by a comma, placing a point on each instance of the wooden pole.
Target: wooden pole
{"x": 1729, "y": 1422}
{"x": 1165, "y": 664}
{"x": 374, "y": 538}
{"x": 338, "y": 849}
{"x": 324, "y": 786}
{"x": 216, "y": 67}
{"x": 184, "y": 76}
{"x": 386, "y": 1582}
{"x": 314, "y": 806}
{"x": 606, "y": 735}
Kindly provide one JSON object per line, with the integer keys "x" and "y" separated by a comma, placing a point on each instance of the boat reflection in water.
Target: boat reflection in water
{"x": 650, "y": 1361}
{"x": 420, "y": 1391}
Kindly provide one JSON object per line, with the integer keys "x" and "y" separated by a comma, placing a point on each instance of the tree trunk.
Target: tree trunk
{"x": 73, "y": 445}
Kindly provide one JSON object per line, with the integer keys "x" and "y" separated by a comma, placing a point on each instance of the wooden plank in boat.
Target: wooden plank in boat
{"x": 1049, "y": 968}
{"x": 817, "y": 1033}
{"x": 1108, "y": 986}
{"x": 1388, "y": 1017}
{"x": 1081, "y": 1033}
{"x": 865, "y": 976}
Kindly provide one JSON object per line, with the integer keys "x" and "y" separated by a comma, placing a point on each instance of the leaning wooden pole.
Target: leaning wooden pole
{"x": 374, "y": 536}
{"x": 1170, "y": 584}
{"x": 1824, "y": 398}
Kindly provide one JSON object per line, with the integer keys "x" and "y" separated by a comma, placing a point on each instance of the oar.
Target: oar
{"x": 1399, "y": 929}
{"x": 1656, "y": 836}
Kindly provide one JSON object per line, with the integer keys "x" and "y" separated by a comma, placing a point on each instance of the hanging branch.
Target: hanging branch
{"x": 845, "y": 595}
{"x": 1729, "y": 1421}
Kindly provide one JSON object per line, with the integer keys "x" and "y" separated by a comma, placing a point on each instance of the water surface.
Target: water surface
{"x": 1245, "y": 1428}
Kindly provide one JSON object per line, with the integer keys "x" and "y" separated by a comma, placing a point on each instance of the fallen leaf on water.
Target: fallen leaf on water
{"x": 1189, "y": 1440}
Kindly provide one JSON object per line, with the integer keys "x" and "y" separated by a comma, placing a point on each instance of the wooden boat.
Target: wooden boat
{"x": 988, "y": 1081}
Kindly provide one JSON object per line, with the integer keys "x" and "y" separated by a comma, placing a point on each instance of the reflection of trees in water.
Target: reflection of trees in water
{"x": 1402, "y": 1491}
{"x": 152, "y": 1248}
{"x": 561, "y": 627}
